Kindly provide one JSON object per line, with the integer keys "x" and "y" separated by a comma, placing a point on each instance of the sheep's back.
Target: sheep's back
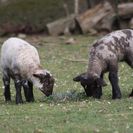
{"x": 114, "y": 45}
{"x": 19, "y": 56}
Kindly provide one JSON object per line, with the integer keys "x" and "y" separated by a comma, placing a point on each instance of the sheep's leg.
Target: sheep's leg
{"x": 18, "y": 85}
{"x": 98, "y": 93}
{"x": 28, "y": 91}
{"x": 116, "y": 93}
{"x": 31, "y": 95}
{"x": 104, "y": 83}
{"x": 100, "y": 88}
{"x": 129, "y": 61}
{"x": 7, "y": 93}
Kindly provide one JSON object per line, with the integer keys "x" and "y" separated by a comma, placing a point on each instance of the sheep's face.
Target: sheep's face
{"x": 47, "y": 82}
{"x": 91, "y": 85}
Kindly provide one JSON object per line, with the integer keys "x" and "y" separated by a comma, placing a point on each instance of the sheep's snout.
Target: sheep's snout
{"x": 48, "y": 86}
{"x": 91, "y": 85}
{"x": 47, "y": 82}
{"x": 85, "y": 83}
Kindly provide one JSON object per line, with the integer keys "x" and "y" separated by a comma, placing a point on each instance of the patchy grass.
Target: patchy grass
{"x": 68, "y": 109}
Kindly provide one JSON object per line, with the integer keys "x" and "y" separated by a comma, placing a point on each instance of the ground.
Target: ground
{"x": 68, "y": 110}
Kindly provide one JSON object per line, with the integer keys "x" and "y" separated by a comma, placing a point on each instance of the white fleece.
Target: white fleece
{"x": 19, "y": 57}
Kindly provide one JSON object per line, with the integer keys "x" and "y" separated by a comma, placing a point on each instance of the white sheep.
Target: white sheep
{"x": 20, "y": 61}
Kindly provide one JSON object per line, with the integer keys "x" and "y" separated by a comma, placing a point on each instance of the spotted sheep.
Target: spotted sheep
{"x": 20, "y": 61}
{"x": 104, "y": 56}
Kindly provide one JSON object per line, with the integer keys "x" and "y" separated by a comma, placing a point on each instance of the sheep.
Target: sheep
{"x": 20, "y": 61}
{"x": 104, "y": 56}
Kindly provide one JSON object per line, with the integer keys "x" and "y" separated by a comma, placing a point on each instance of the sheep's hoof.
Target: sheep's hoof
{"x": 116, "y": 97}
{"x": 97, "y": 96}
{"x": 88, "y": 94}
{"x": 8, "y": 99}
{"x": 19, "y": 101}
{"x": 130, "y": 95}
{"x": 30, "y": 100}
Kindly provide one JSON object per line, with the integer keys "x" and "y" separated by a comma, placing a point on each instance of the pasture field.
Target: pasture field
{"x": 68, "y": 110}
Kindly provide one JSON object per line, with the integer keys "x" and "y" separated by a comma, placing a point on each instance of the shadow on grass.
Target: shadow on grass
{"x": 69, "y": 96}
{"x": 74, "y": 96}
{"x": 64, "y": 97}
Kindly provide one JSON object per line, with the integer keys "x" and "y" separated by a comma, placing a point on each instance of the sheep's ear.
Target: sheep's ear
{"x": 80, "y": 77}
{"x": 47, "y": 75}
{"x": 37, "y": 75}
{"x": 77, "y": 78}
{"x": 41, "y": 76}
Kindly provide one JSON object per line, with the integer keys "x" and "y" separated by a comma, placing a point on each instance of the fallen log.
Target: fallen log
{"x": 125, "y": 13}
{"x": 119, "y": 20}
{"x": 61, "y": 26}
{"x": 101, "y": 18}
{"x": 106, "y": 23}
{"x": 89, "y": 19}
{"x": 125, "y": 10}
{"x": 131, "y": 23}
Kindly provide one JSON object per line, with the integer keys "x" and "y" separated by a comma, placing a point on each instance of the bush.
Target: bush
{"x": 30, "y": 16}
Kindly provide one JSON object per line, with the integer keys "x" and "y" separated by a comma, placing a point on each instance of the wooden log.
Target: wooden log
{"x": 102, "y": 17}
{"x": 60, "y": 26}
{"x": 125, "y": 10}
{"x": 115, "y": 21}
{"x": 89, "y": 19}
{"x": 131, "y": 23}
{"x": 106, "y": 23}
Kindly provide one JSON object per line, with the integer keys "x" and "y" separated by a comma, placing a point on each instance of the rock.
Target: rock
{"x": 131, "y": 23}
{"x": 70, "y": 41}
{"x": 22, "y": 35}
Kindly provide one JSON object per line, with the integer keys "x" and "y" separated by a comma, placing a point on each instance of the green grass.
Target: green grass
{"x": 69, "y": 110}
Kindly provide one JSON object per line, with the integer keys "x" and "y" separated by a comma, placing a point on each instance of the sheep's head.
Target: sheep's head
{"x": 91, "y": 84}
{"x": 46, "y": 82}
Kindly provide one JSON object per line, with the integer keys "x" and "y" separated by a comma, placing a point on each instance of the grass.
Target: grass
{"x": 69, "y": 110}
